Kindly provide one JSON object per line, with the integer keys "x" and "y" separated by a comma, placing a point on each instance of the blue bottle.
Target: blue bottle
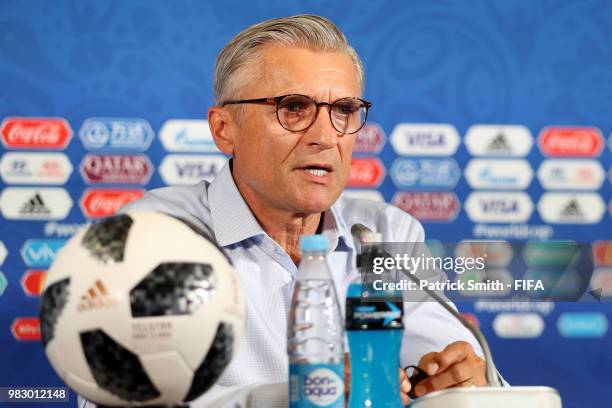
{"x": 315, "y": 333}
{"x": 374, "y": 328}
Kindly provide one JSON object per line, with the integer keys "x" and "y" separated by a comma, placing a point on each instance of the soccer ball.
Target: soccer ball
{"x": 141, "y": 309}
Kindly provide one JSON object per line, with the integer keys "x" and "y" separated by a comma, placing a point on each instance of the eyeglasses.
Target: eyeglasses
{"x": 298, "y": 112}
{"x": 415, "y": 375}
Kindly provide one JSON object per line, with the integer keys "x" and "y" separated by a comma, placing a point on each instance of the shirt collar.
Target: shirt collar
{"x": 233, "y": 221}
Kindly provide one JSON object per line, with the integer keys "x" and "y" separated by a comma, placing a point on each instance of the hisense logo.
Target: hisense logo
{"x": 96, "y": 297}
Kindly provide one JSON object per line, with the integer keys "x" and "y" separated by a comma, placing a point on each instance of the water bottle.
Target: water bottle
{"x": 315, "y": 335}
{"x": 374, "y": 328}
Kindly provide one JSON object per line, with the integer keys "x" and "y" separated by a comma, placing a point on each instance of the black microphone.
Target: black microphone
{"x": 363, "y": 235}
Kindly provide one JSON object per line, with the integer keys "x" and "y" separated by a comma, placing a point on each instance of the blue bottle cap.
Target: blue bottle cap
{"x": 312, "y": 243}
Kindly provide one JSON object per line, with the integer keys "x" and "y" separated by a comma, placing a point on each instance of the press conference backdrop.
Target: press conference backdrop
{"x": 490, "y": 120}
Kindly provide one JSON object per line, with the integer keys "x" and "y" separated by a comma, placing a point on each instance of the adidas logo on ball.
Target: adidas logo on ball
{"x": 97, "y": 297}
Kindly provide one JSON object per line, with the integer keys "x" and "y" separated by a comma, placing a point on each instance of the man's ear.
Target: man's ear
{"x": 222, "y": 124}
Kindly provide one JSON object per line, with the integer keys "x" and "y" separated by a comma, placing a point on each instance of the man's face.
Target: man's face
{"x": 274, "y": 167}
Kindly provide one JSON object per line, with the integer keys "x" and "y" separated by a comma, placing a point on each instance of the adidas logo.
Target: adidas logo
{"x": 572, "y": 210}
{"x": 96, "y": 297}
{"x": 499, "y": 144}
{"x": 34, "y": 206}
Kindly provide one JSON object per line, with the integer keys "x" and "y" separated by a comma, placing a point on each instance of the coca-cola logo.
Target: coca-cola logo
{"x": 97, "y": 203}
{"x": 571, "y": 141}
{"x": 366, "y": 172}
{"x": 116, "y": 169}
{"x": 35, "y": 133}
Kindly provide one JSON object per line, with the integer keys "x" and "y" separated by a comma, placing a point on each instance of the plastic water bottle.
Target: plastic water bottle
{"x": 315, "y": 335}
{"x": 374, "y": 328}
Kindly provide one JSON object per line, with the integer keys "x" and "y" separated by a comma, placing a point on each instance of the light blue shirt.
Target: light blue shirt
{"x": 267, "y": 274}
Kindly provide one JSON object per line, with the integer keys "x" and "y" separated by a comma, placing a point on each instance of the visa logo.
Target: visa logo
{"x": 500, "y": 206}
{"x": 425, "y": 139}
{"x": 196, "y": 170}
{"x": 40, "y": 253}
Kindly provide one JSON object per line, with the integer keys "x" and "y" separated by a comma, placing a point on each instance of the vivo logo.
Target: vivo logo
{"x": 515, "y": 174}
{"x": 116, "y": 134}
{"x": 499, "y": 207}
{"x": 425, "y": 139}
{"x": 583, "y": 324}
{"x": 40, "y": 253}
{"x": 190, "y": 169}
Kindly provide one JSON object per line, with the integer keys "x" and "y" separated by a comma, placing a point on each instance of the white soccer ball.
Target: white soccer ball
{"x": 141, "y": 308}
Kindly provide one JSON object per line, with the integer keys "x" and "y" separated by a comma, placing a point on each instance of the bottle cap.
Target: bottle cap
{"x": 312, "y": 243}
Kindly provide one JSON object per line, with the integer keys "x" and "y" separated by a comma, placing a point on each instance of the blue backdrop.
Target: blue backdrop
{"x": 534, "y": 64}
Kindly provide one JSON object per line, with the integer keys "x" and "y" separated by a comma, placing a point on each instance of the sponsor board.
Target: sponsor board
{"x": 425, "y": 139}
{"x": 98, "y": 202}
{"x": 582, "y": 324}
{"x": 35, "y": 133}
{"x": 570, "y": 141}
{"x": 364, "y": 194}
{"x": 370, "y": 139}
{"x": 574, "y": 208}
{"x": 40, "y": 253}
{"x": 366, "y": 172}
{"x": 425, "y": 173}
{"x": 602, "y": 280}
{"x": 3, "y": 283}
{"x": 498, "y": 140}
{"x": 116, "y": 134}
{"x": 518, "y": 325}
{"x": 571, "y": 174}
{"x": 181, "y": 169}
{"x": 552, "y": 254}
{"x": 44, "y": 203}
{"x": 33, "y": 281}
{"x": 187, "y": 135}
{"x": 3, "y": 252}
{"x": 499, "y": 174}
{"x": 497, "y": 254}
{"x": 26, "y": 329}
{"x": 35, "y": 168}
{"x": 116, "y": 169}
{"x": 428, "y": 206}
{"x": 506, "y": 207}
{"x": 602, "y": 253}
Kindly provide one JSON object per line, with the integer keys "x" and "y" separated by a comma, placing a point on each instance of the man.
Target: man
{"x": 288, "y": 104}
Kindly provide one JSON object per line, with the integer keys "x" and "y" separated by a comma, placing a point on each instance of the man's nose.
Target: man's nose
{"x": 322, "y": 132}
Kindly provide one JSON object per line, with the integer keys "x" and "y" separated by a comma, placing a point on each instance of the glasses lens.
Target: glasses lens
{"x": 348, "y": 115}
{"x": 296, "y": 112}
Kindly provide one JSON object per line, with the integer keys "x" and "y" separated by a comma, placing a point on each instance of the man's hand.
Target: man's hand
{"x": 455, "y": 366}
{"x": 405, "y": 387}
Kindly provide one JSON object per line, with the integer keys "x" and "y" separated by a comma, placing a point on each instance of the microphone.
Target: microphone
{"x": 495, "y": 393}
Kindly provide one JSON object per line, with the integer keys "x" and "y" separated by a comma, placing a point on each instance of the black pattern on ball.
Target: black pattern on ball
{"x": 106, "y": 240}
{"x": 174, "y": 288}
{"x": 116, "y": 369}
{"x": 53, "y": 301}
{"x": 218, "y": 357}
